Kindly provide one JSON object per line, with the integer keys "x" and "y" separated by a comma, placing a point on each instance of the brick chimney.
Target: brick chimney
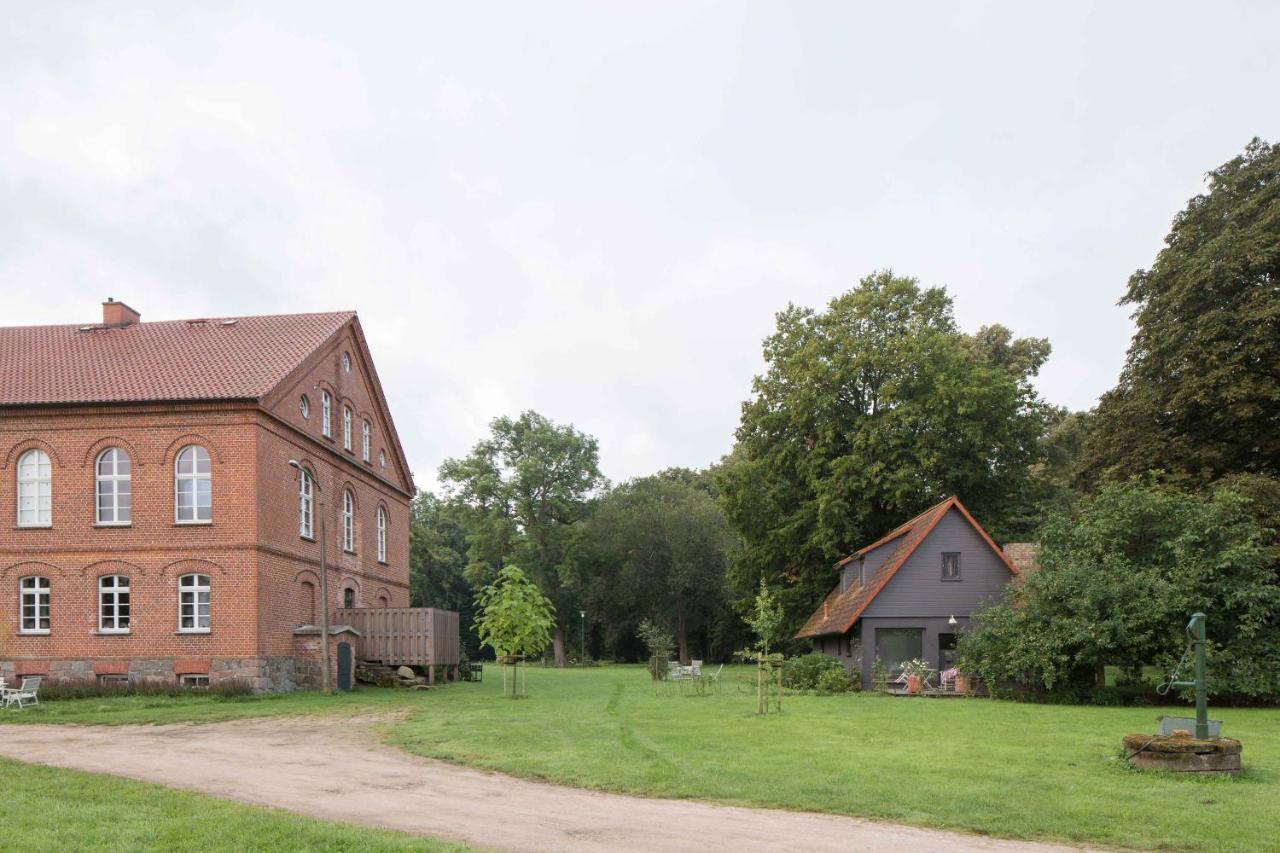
{"x": 116, "y": 315}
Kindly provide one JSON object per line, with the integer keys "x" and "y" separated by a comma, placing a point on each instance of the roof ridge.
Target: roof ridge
{"x": 98, "y": 324}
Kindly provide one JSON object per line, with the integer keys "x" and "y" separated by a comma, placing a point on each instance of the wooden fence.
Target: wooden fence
{"x": 403, "y": 636}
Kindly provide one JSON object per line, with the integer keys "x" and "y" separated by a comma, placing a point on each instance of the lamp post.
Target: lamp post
{"x": 582, "y": 653}
{"x": 325, "y": 686}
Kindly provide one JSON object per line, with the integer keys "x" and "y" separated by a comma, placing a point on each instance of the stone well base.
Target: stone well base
{"x": 1181, "y": 753}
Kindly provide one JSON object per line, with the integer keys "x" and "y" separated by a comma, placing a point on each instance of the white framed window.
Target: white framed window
{"x": 346, "y": 362}
{"x": 193, "y": 604}
{"x": 113, "y": 487}
{"x": 34, "y": 595}
{"x": 346, "y": 427}
{"x": 382, "y": 458}
{"x": 35, "y": 492}
{"x": 304, "y": 407}
{"x": 306, "y": 506}
{"x": 364, "y": 441}
{"x": 326, "y": 413}
{"x": 113, "y": 604}
{"x": 382, "y": 534}
{"x": 192, "y": 486}
{"x": 348, "y": 521}
{"x": 194, "y": 681}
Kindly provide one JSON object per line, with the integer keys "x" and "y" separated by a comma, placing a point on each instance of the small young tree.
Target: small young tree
{"x": 766, "y": 621}
{"x": 660, "y": 645}
{"x": 515, "y": 618}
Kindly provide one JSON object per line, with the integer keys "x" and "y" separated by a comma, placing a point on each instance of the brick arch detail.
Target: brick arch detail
{"x": 112, "y": 567}
{"x": 381, "y": 592}
{"x": 15, "y": 452}
{"x": 348, "y": 486}
{"x": 171, "y": 452}
{"x": 95, "y": 449}
{"x": 307, "y": 575}
{"x": 192, "y": 566}
{"x": 29, "y": 568}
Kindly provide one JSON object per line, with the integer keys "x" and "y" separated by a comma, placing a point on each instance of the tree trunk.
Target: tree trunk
{"x": 557, "y": 643}
{"x": 682, "y": 637}
{"x": 1100, "y": 675}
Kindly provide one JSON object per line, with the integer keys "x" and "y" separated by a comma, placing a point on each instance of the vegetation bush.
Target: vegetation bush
{"x": 834, "y": 681}
{"x": 805, "y": 672}
{"x": 660, "y": 644}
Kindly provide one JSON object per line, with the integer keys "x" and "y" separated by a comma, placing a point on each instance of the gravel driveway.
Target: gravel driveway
{"x": 336, "y": 769}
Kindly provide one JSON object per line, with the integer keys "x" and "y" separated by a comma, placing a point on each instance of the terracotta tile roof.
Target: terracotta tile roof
{"x": 216, "y": 359}
{"x": 839, "y": 610}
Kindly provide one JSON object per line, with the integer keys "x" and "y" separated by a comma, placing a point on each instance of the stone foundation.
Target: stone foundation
{"x": 276, "y": 674}
{"x": 1182, "y": 753}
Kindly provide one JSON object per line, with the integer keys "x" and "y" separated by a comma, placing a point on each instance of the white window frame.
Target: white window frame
{"x": 33, "y": 599}
{"x": 193, "y": 590}
{"x": 346, "y": 427}
{"x": 348, "y": 522}
{"x": 382, "y": 459}
{"x": 110, "y": 515}
{"x": 326, "y": 414}
{"x": 346, "y": 362}
{"x": 37, "y": 487}
{"x": 306, "y": 506}
{"x": 304, "y": 407}
{"x": 382, "y": 534}
{"x": 364, "y": 443}
{"x": 195, "y": 478}
{"x": 119, "y": 586}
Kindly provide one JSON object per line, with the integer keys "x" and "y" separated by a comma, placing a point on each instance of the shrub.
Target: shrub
{"x": 805, "y": 672}
{"x": 58, "y": 690}
{"x": 660, "y": 645}
{"x": 833, "y": 681}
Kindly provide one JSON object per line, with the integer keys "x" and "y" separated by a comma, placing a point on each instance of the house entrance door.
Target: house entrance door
{"x": 946, "y": 651}
{"x": 344, "y": 666}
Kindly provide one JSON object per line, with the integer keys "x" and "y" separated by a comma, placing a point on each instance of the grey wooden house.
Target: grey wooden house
{"x": 909, "y": 594}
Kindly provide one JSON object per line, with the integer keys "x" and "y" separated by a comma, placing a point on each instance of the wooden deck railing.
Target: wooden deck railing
{"x": 403, "y": 636}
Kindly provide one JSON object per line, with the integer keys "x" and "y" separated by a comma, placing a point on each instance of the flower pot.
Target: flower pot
{"x": 913, "y": 685}
{"x": 963, "y": 684}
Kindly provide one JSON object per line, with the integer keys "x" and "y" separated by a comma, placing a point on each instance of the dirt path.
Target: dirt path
{"x": 336, "y": 769}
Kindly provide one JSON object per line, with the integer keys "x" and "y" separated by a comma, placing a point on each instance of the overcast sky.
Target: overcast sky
{"x": 594, "y": 210}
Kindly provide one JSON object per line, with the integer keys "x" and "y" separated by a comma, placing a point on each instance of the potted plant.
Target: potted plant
{"x": 916, "y": 670}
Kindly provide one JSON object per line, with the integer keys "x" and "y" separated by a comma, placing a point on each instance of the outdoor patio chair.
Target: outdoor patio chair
{"x": 675, "y": 672}
{"x": 26, "y": 694}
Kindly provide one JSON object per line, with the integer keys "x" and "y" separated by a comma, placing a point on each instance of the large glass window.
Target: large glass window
{"x": 114, "y": 487}
{"x": 192, "y": 486}
{"x": 113, "y": 604}
{"x": 35, "y": 494}
{"x": 896, "y": 646}
{"x": 382, "y": 534}
{"x": 306, "y": 506}
{"x": 34, "y": 594}
{"x": 348, "y": 521}
{"x": 193, "y": 603}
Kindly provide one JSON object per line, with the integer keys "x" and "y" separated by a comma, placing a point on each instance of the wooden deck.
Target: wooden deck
{"x": 404, "y": 636}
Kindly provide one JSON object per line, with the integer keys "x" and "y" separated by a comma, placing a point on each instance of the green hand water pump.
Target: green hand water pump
{"x": 1196, "y": 645}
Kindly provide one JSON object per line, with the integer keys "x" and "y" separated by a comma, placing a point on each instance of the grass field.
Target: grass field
{"x": 45, "y": 809}
{"x": 1021, "y": 771}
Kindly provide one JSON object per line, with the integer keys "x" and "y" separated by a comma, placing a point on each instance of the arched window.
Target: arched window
{"x": 114, "y": 487}
{"x": 364, "y": 444}
{"x": 192, "y": 486}
{"x": 382, "y": 534}
{"x": 113, "y": 604}
{"x": 35, "y": 495}
{"x": 304, "y": 406}
{"x": 306, "y": 506}
{"x": 34, "y": 595}
{"x": 382, "y": 458}
{"x": 346, "y": 362}
{"x": 193, "y": 604}
{"x": 308, "y": 603}
{"x": 349, "y": 597}
{"x": 383, "y": 601}
{"x": 326, "y": 410}
{"x": 348, "y": 521}
{"x": 346, "y": 427}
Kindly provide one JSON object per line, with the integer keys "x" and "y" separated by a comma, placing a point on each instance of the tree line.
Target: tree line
{"x": 1163, "y": 497}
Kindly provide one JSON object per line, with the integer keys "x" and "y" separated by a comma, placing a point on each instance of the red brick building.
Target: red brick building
{"x": 151, "y": 526}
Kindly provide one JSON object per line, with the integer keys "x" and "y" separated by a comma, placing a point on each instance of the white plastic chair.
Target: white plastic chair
{"x": 27, "y": 693}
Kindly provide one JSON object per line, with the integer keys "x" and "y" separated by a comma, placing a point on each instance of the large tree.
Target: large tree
{"x": 437, "y": 558}
{"x": 868, "y": 412}
{"x": 657, "y": 547}
{"x": 523, "y": 489}
{"x": 1199, "y": 396}
{"x": 1121, "y": 575}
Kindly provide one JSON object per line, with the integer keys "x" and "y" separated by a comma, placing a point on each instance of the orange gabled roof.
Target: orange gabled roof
{"x": 839, "y": 610}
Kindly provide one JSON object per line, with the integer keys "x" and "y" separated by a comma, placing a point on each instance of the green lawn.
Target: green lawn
{"x": 1022, "y": 771}
{"x": 42, "y": 808}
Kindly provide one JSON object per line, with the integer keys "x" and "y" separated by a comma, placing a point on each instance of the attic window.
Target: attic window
{"x": 951, "y": 566}
{"x": 346, "y": 362}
